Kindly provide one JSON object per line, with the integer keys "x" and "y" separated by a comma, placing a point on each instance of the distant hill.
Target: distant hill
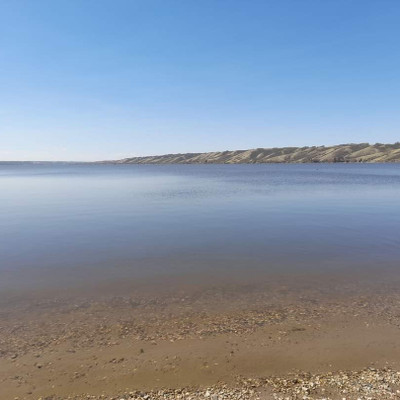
{"x": 363, "y": 152}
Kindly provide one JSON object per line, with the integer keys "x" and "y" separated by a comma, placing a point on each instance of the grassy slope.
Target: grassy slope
{"x": 363, "y": 152}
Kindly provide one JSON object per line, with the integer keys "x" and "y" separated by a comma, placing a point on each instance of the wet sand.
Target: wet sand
{"x": 272, "y": 336}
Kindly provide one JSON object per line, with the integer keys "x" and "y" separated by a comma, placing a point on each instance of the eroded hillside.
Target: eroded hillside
{"x": 364, "y": 152}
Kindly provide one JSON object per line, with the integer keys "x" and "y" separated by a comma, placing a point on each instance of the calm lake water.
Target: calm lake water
{"x": 176, "y": 218}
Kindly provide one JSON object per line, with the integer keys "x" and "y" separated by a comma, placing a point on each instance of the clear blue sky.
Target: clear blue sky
{"x": 94, "y": 79}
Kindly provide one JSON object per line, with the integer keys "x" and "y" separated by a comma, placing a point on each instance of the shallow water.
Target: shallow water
{"x": 153, "y": 219}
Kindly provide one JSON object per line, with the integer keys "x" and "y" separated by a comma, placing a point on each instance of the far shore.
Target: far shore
{"x": 343, "y": 153}
{"x": 377, "y": 153}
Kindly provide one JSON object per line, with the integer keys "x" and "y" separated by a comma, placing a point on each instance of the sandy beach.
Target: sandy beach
{"x": 272, "y": 338}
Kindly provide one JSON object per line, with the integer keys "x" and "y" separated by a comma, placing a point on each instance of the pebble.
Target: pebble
{"x": 368, "y": 384}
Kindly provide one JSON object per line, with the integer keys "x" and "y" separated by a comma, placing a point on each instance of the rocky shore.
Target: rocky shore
{"x": 367, "y": 384}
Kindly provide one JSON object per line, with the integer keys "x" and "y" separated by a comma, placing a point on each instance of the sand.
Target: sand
{"x": 303, "y": 337}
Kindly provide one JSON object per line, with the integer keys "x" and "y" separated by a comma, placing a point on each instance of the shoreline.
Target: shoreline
{"x": 279, "y": 335}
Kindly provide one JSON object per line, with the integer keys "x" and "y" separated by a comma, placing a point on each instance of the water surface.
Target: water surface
{"x": 173, "y": 219}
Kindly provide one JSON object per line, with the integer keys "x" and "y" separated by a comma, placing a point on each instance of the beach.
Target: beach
{"x": 275, "y": 337}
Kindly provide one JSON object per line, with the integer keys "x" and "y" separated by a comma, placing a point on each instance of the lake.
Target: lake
{"x": 77, "y": 222}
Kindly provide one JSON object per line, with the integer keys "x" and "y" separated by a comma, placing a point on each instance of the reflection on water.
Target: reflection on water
{"x": 115, "y": 217}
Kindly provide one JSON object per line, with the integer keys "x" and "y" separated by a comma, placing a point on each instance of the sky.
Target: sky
{"x": 94, "y": 79}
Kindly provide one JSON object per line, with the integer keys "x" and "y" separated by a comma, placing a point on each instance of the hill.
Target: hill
{"x": 363, "y": 152}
